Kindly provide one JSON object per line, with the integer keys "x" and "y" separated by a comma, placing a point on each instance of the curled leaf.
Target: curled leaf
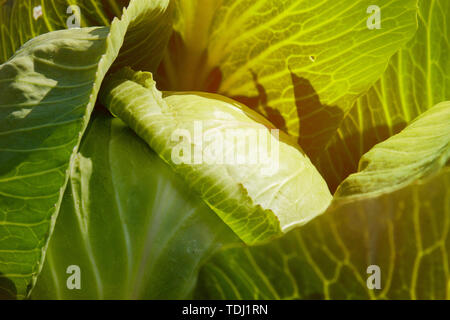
{"x": 260, "y": 183}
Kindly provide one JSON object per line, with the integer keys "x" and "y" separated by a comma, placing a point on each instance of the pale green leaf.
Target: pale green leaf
{"x": 258, "y": 199}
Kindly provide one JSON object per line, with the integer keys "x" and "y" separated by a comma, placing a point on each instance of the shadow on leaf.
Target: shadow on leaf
{"x": 8, "y": 289}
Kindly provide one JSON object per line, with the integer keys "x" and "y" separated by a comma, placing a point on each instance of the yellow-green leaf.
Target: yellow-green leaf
{"x": 417, "y": 78}
{"x": 401, "y": 237}
{"x": 421, "y": 149}
{"x": 302, "y": 64}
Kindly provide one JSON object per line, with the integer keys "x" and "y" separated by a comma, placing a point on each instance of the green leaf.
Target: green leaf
{"x": 419, "y": 150}
{"x": 47, "y": 92}
{"x": 19, "y": 22}
{"x": 148, "y": 34}
{"x": 417, "y": 78}
{"x": 302, "y": 64}
{"x": 405, "y": 233}
{"x": 259, "y": 187}
{"x": 128, "y": 223}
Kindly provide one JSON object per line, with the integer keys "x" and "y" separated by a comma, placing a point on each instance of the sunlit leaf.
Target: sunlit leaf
{"x": 302, "y": 64}
{"x": 258, "y": 198}
{"x": 417, "y": 78}
{"x": 419, "y": 150}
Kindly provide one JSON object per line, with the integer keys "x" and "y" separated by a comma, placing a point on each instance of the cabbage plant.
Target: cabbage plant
{"x": 224, "y": 149}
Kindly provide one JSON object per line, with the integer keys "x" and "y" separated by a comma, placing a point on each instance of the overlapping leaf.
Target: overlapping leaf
{"x": 258, "y": 198}
{"x": 47, "y": 92}
{"x": 301, "y": 64}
